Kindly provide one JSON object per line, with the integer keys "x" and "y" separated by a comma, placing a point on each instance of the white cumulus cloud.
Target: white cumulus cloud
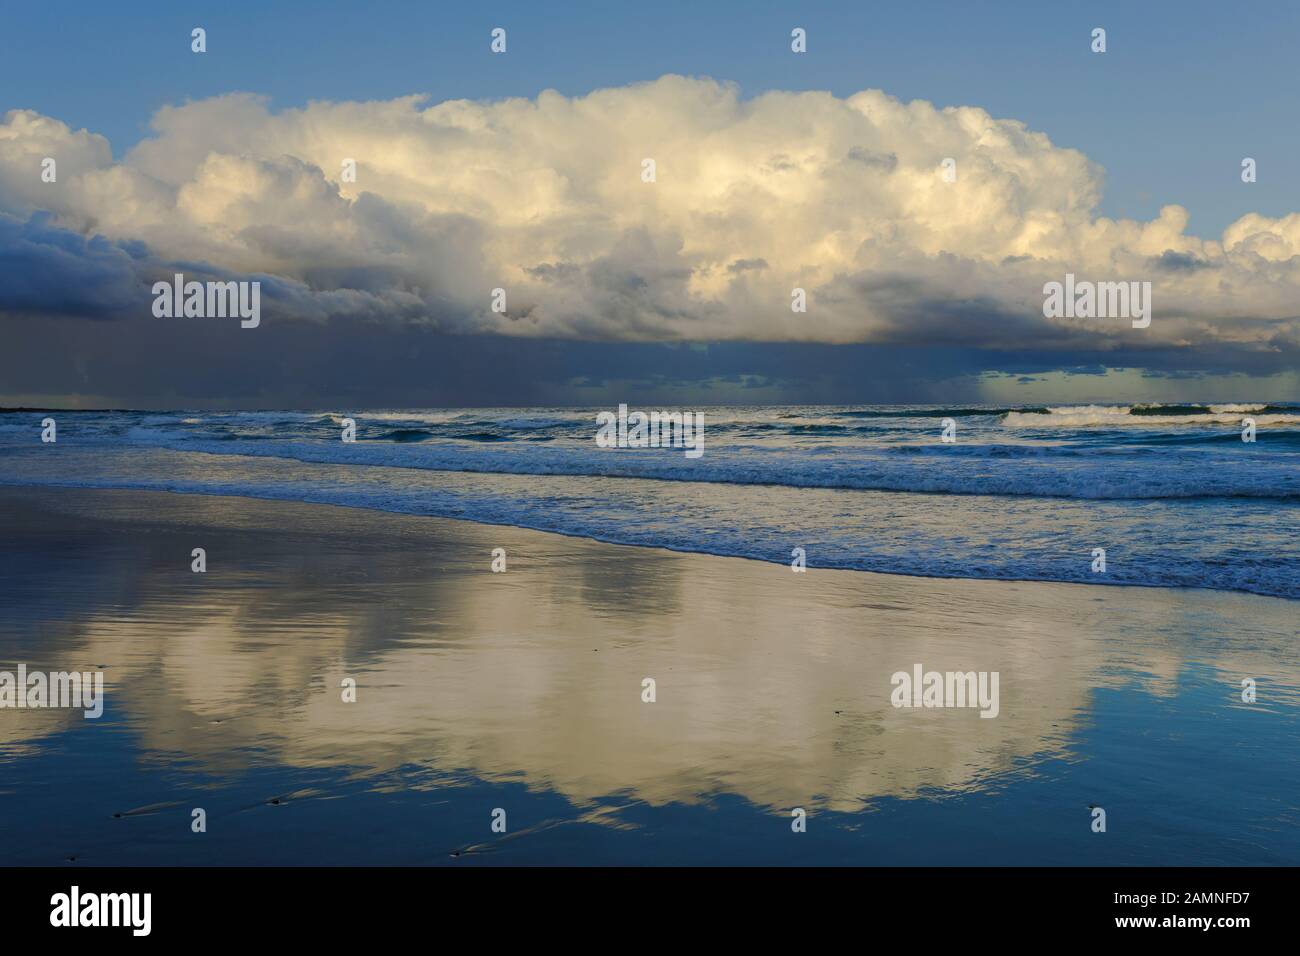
{"x": 544, "y": 197}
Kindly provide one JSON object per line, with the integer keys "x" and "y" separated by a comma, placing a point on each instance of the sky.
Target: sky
{"x": 524, "y": 171}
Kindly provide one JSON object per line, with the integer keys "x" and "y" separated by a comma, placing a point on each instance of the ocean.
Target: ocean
{"x": 518, "y": 688}
{"x": 1170, "y": 493}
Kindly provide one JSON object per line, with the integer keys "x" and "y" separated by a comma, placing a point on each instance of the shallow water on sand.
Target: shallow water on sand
{"x": 523, "y": 691}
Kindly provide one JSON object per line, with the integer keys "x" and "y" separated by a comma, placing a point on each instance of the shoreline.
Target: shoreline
{"x": 75, "y": 488}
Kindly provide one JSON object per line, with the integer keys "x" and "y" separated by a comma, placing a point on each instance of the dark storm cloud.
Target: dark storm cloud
{"x": 61, "y": 290}
{"x": 172, "y": 363}
{"x": 47, "y": 269}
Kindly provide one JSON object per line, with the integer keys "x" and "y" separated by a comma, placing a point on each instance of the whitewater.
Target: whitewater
{"x": 1170, "y": 491}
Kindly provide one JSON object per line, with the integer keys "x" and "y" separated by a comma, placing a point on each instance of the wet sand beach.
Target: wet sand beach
{"x": 523, "y": 691}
